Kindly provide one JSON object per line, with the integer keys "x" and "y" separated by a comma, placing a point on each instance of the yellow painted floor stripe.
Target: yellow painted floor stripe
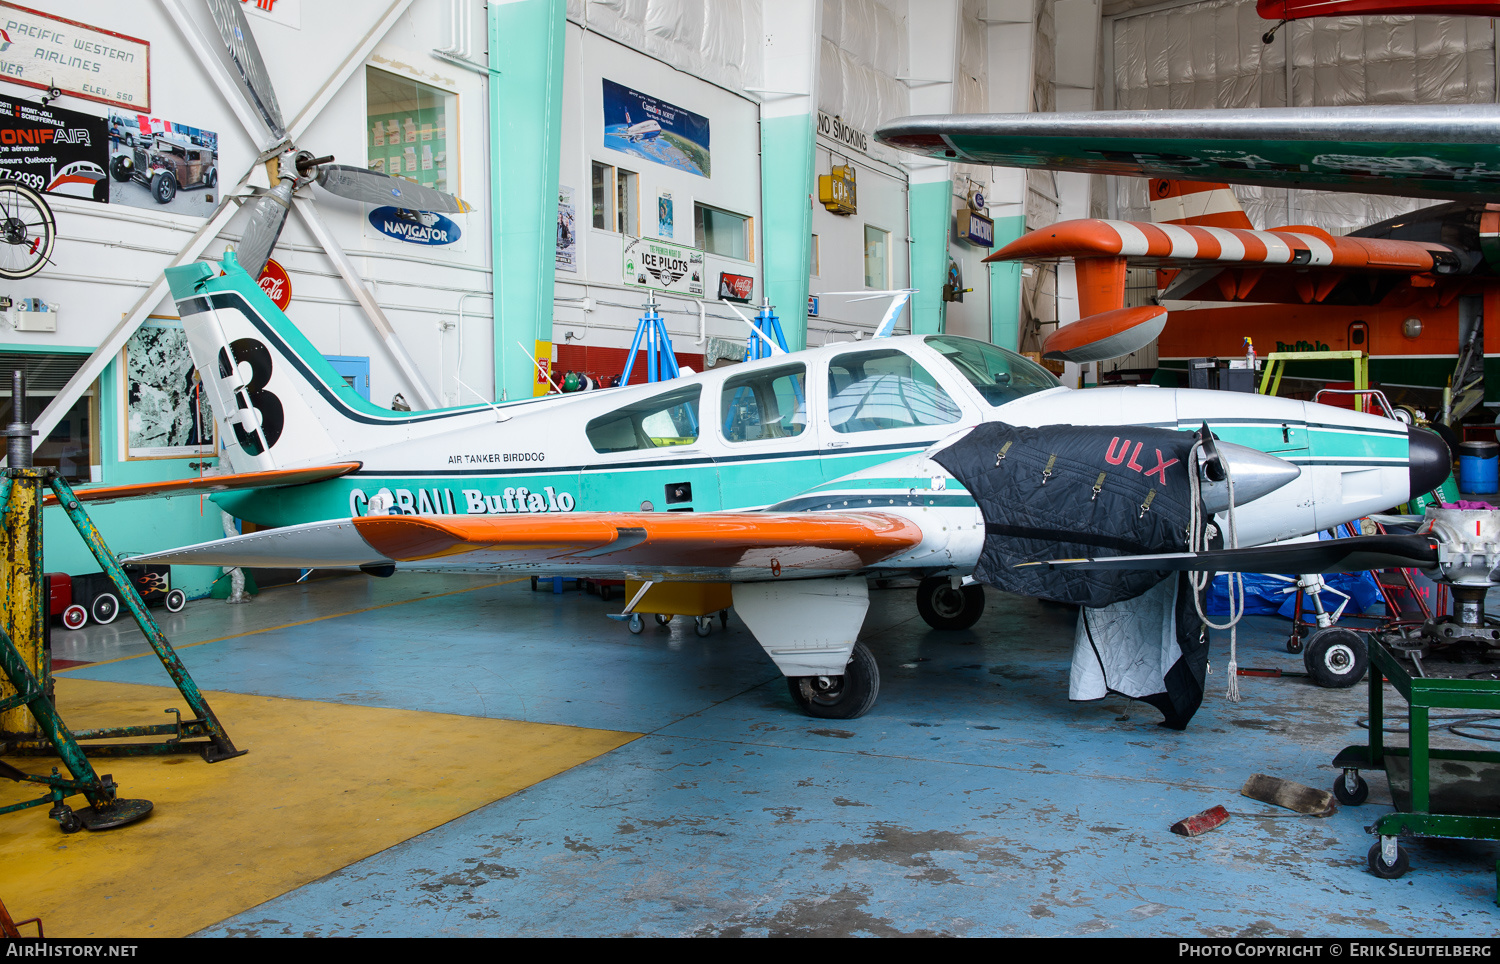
{"x": 324, "y": 785}
{"x": 302, "y": 622}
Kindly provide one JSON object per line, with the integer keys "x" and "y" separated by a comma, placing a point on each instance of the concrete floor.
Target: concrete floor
{"x": 973, "y": 800}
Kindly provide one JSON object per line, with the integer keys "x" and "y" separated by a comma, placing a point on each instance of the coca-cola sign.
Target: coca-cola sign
{"x": 275, "y": 283}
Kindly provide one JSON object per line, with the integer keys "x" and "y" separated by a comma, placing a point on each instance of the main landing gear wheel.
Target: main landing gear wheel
{"x": 839, "y": 697}
{"x": 1386, "y": 871}
{"x": 943, "y": 607}
{"x": 1335, "y": 658}
{"x": 176, "y": 599}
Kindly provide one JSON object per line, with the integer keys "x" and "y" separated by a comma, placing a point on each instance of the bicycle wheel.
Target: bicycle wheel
{"x": 27, "y": 231}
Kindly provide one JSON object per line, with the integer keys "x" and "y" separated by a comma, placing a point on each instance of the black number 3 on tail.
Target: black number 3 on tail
{"x": 254, "y": 397}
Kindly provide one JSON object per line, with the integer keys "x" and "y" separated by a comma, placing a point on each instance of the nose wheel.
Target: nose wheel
{"x": 1335, "y": 658}
{"x": 943, "y": 607}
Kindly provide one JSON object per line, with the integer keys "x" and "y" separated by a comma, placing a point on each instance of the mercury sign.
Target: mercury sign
{"x": 416, "y": 227}
{"x": 976, "y": 229}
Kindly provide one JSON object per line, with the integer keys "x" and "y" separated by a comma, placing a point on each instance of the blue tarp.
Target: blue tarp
{"x": 1266, "y": 594}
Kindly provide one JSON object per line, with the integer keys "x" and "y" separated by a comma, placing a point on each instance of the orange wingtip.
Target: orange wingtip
{"x": 720, "y": 539}
{"x": 209, "y": 484}
{"x": 1082, "y": 238}
{"x": 1108, "y": 334}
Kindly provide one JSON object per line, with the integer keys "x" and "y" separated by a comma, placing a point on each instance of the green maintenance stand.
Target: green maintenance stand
{"x": 1462, "y": 802}
{"x": 25, "y": 600}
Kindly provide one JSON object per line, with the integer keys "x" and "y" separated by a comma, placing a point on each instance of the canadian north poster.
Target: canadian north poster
{"x": 648, "y": 127}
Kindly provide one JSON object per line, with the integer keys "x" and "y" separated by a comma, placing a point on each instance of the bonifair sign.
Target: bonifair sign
{"x": 416, "y": 227}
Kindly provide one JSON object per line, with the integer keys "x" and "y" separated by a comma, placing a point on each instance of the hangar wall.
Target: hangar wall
{"x": 1210, "y": 54}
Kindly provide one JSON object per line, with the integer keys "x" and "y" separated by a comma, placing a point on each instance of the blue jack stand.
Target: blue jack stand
{"x": 756, "y": 347}
{"x": 661, "y": 363}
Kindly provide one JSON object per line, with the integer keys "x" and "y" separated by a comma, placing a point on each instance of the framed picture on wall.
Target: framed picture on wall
{"x": 167, "y": 414}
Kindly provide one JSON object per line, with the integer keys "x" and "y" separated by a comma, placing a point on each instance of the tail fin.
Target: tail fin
{"x": 277, "y": 402}
{"x": 1203, "y": 204}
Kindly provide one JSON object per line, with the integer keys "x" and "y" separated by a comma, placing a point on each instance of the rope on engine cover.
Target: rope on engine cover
{"x": 1198, "y": 539}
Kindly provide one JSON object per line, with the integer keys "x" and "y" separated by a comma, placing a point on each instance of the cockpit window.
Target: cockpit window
{"x": 1001, "y": 376}
{"x": 765, "y": 404}
{"x": 873, "y": 390}
{"x": 656, "y": 422}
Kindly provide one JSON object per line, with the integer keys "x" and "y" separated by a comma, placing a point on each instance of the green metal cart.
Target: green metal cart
{"x": 1436, "y": 792}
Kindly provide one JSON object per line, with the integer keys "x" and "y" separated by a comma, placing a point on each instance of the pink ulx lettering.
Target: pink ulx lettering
{"x": 1160, "y": 471}
{"x": 1110, "y": 455}
{"x": 1131, "y": 464}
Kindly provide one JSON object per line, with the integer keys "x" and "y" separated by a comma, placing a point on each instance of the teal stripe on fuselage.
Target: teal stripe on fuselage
{"x": 738, "y": 483}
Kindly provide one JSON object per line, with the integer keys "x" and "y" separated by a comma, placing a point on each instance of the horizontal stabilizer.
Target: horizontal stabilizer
{"x": 209, "y": 484}
{"x": 1108, "y": 334}
{"x": 334, "y": 544}
{"x": 1357, "y": 554}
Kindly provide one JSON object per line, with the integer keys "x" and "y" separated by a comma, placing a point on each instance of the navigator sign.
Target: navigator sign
{"x": 663, "y": 266}
{"x": 416, "y": 227}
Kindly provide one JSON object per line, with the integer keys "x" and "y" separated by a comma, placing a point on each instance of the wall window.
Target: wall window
{"x": 814, "y": 269}
{"x": 73, "y": 446}
{"x": 877, "y": 258}
{"x": 627, "y": 192}
{"x": 616, "y": 193}
{"x": 721, "y": 232}
{"x": 410, "y": 130}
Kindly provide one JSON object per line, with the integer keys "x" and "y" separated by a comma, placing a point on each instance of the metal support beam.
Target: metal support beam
{"x": 227, "y": 209}
{"x": 382, "y": 325}
{"x": 116, "y": 339}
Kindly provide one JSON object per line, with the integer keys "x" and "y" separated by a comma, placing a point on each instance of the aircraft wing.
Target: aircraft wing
{"x": 1301, "y": 9}
{"x": 709, "y": 546}
{"x": 209, "y": 484}
{"x": 1449, "y": 151}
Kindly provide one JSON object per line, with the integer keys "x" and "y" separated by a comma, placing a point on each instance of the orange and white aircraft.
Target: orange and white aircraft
{"x": 1398, "y": 290}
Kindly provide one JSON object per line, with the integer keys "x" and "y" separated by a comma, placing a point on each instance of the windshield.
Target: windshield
{"x": 1001, "y": 376}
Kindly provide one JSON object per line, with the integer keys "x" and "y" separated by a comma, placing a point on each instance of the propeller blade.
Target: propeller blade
{"x": 256, "y": 80}
{"x": 267, "y": 217}
{"x": 1330, "y": 555}
{"x": 372, "y": 187}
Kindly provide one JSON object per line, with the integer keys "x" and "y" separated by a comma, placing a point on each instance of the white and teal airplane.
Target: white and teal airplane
{"x": 794, "y": 479}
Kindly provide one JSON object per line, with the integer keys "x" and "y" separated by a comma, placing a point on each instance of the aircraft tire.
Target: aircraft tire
{"x": 1335, "y": 658}
{"x": 839, "y": 697}
{"x": 942, "y": 607}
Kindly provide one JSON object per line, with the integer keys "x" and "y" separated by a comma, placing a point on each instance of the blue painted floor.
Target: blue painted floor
{"x": 973, "y": 800}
